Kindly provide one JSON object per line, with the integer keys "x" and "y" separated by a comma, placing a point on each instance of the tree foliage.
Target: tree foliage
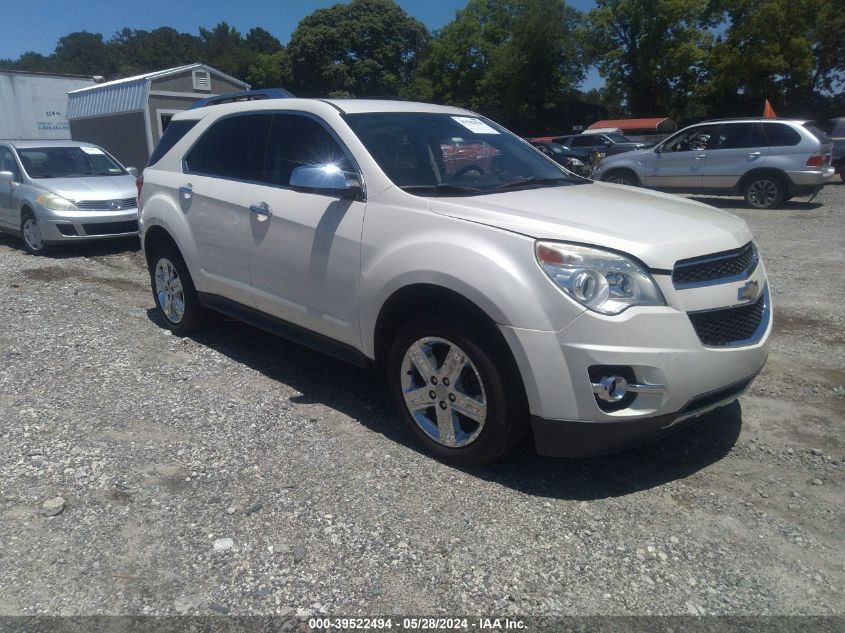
{"x": 517, "y": 61}
{"x": 364, "y": 48}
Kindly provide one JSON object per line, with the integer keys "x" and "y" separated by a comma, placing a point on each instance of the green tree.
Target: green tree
{"x": 224, "y": 48}
{"x": 146, "y": 51}
{"x": 84, "y": 53}
{"x": 517, "y": 61}
{"x": 651, "y": 51}
{"x": 259, "y": 40}
{"x": 270, "y": 71}
{"x": 791, "y": 52}
{"x": 364, "y": 48}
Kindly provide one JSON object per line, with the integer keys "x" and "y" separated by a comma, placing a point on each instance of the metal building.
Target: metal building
{"x": 128, "y": 116}
{"x": 32, "y": 105}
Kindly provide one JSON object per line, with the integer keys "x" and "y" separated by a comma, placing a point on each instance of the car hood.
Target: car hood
{"x": 658, "y": 229}
{"x": 91, "y": 187}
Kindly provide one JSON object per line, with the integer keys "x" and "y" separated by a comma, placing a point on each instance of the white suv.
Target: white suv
{"x": 497, "y": 292}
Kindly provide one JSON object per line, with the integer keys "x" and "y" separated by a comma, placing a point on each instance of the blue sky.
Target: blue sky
{"x": 36, "y": 25}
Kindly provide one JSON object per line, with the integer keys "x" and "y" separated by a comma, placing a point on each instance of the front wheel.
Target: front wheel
{"x": 622, "y": 178}
{"x": 33, "y": 240}
{"x": 453, "y": 392}
{"x": 764, "y": 192}
{"x": 174, "y": 292}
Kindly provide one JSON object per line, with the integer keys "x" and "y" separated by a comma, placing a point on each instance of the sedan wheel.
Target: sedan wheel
{"x": 443, "y": 392}
{"x": 31, "y": 233}
{"x": 174, "y": 291}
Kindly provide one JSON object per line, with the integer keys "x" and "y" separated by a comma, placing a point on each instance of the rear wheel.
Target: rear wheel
{"x": 33, "y": 240}
{"x": 622, "y": 177}
{"x": 453, "y": 392}
{"x": 174, "y": 292}
{"x": 764, "y": 192}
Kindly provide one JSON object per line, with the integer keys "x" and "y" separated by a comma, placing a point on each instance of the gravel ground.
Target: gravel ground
{"x": 233, "y": 472}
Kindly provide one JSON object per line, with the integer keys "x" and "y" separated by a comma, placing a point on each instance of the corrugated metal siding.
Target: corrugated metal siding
{"x": 124, "y": 97}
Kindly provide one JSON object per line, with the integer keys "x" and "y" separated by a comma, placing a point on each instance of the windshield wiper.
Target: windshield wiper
{"x": 531, "y": 181}
{"x": 442, "y": 189}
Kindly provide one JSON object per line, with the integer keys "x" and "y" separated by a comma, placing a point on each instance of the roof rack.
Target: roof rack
{"x": 246, "y": 95}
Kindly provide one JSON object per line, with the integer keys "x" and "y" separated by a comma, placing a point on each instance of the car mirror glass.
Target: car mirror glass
{"x": 326, "y": 178}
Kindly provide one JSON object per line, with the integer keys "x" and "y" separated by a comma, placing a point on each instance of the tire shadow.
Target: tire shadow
{"x": 360, "y": 394}
{"x": 738, "y": 203}
{"x": 94, "y": 248}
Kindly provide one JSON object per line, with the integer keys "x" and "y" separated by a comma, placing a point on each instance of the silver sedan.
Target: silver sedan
{"x": 64, "y": 191}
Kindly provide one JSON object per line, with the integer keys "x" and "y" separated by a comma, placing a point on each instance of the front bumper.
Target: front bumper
{"x": 74, "y": 226}
{"x": 659, "y": 345}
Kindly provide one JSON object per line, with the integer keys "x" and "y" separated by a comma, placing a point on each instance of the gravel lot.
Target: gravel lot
{"x": 233, "y": 472}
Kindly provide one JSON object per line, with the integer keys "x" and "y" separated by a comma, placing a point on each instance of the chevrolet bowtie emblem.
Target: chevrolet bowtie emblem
{"x": 749, "y": 291}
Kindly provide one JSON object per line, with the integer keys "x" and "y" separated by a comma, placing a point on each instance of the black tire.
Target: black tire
{"x": 193, "y": 313}
{"x": 764, "y": 191}
{"x": 842, "y": 172}
{"x": 622, "y": 177}
{"x": 30, "y": 243}
{"x": 488, "y": 373}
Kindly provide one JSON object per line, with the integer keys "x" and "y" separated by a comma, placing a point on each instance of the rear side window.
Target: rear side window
{"x": 781, "y": 135}
{"x": 583, "y": 141}
{"x": 821, "y": 136}
{"x": 232, "y": 148}
{"x": 172, "y": 134}
{"x": 741, "y": 136}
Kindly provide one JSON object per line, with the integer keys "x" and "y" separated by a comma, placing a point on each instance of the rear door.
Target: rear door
{"x": 679, "y": 162}
{"x": 219, "y": 170}
{"x": 739, "y": 148}
{"x": 305, "y": 245}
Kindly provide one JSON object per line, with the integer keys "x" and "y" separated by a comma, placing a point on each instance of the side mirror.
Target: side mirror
{"x": 328, "y": 179}
{"x": 7, "y": 176}
{"x": 132, "y": 171}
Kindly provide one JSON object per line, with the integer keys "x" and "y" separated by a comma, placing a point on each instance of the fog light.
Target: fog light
{"x": 611, "y": 388}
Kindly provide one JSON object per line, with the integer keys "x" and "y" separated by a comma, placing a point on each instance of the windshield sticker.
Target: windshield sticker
{"x": 94, "y": 151}
{"x": 474, "y": 125}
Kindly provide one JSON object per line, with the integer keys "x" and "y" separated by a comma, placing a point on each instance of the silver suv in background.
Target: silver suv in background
{"x": 764, "y": 160}
{"x": 63, "y": 191}
{"x": 497, "y": 292}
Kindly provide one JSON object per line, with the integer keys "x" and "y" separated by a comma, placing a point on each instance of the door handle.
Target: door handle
{"x": 262, "y": 209}
{"x": 754, "y": 154}
{"x": 700, "y": 156}
{"x": 187, "y": 190}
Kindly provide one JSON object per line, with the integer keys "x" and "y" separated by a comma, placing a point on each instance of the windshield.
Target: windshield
{"x": 67, "y": 162}
{"x": 618, "y": 138}
{"x": 444, "y": 154}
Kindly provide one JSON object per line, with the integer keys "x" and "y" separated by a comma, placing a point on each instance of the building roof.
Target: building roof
{"x": 35, "y": 73}
{"x": 661, "y": 124}
{"x": 129, "y": 94}
{"x": 159, "y": 74}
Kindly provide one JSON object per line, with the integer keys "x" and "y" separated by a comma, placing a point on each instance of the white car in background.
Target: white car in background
{"x": 498, "y": 294}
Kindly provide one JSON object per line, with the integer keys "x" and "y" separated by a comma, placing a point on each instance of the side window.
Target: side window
{"x": 173, "y": 133}
{"x": 297, "y": 140}
{"x": 232, "y": 148}
{"x": 7, "y": 162}
{"x": 692, "y": 140}
{"x": 741, "y": 136}
{"x": 781, "y": 135}
{"x": 583, "y": 141}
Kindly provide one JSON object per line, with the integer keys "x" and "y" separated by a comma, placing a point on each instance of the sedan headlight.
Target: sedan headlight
{"x": 55, "y": 202}
{"x": 601, "y": 280}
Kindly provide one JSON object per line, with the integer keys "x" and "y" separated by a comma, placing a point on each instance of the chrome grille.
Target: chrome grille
{"x": 716, "y": 268}
{"x": 742, "y": 325}
{"x": 107, "y": 205}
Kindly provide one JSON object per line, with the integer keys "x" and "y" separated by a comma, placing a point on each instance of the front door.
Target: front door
{"x": 214, "y": 195}
{"x": 679, "y": 162}
{"x": 304, "y": 246}
{"x": 8, "y": 213}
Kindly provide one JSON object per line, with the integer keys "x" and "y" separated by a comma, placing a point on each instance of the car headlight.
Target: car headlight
{"x": 601, "y": 280}
{"x": 576, "y": 162}
{"x": 55, "y": 202}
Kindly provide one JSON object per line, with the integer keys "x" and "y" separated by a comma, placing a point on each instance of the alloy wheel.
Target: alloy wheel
{"x": 443, "y": 392}
{"x": 171, "y": 295}
{"x": 762, "y": 193}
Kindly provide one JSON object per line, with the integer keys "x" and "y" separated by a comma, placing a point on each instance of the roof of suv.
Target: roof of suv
{"x": 757, "y": 119}
{"x": 45, "y": 143}
{"x": 346, "y": 106}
